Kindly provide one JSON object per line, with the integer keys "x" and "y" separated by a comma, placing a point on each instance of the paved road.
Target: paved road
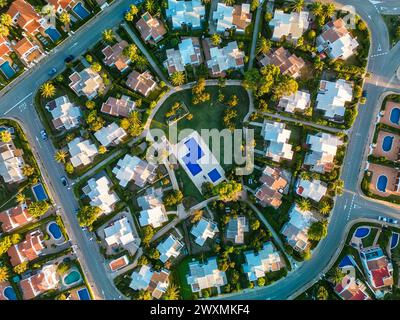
{"x": 257, "y": 24}
{"x": 18, "y": 103}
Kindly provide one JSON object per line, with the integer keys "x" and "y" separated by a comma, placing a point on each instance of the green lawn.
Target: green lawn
{"x": 392, "y": 23}
{"x": 180, "y": 273}
{"x": 369, "y": 240}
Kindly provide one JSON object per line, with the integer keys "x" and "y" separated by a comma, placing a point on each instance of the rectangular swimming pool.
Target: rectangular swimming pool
{"x": 191, "y": 158}
{"x": 8, "y": 71}
{"x": 81, "y": 11}
{"x": 214, "y": 175}
{"x": 39, "y": 192}
{"x": 83, "y": 294}
{"x": 53, "y": 34}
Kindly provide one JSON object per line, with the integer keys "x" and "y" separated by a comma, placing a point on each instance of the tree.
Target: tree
{"x": 132, "y": 124}
{"x": 5, "y": 244}
{"x": 337, "y": 186}
{"x": 297, "y": 5}
{"x": 254, "y": 5}
{"x": 252, "y": 79}
{"x": 143, "y": 295}
{"x": 154, "y": 254}
{"x": 148, "y": 233}
{"x": 228, "y": 190}
{"x": 324, "y": 207}
{"x": 263, "y": 45}
{"x": 102, "y": 150}
{"x": 95, "y": 121}
{"x": 69, "y": 168}
{"x": 90, "y": 104}
{"x": 317, "y": 9}
{"x": 65, "y": 18}
{"x": 322, "y": 293}
{"x": 304, "y": 204}
{"x": 255, "y": 225}
{"x": 233, "y": 101}
{"x": 215, "y": 39}
{"x": 229, "y": 2}
{"x": 38, "y": 208}
{"x": 129, "y": 17}
{"x": 21, "y": 198}
{"x": 96, "y": 67}
{"x": 3, "y": 3}
{"x": 172, "y": 198}
{"x": 141, "y": 65}
{"x": 150, "y": 6}
{"x": 108, "y": 35}
{"x": 5, "y": 136}
{"x": 285, "y": 86}
{"x": 62, "y": 268}
{"x": 6, "y": 20}
{"x": 133, "y": 9}
{"x": 172, "y": 292}
{"x": 142, "y": 261}
{"x": 27, "y": 170}
{"x": 318, "y": 230}
{"x": 177, "y": 78}
{"x": 4, "y": 273}
{"x": 329, "y": 10}
{"x": 87, "y": 215}
{"x": 21, "y": 268}
{"x": 196, "y": 216}
{"x": 4, "y": 31}
{"x": 60, "y": 156}
{"x": 336, "y": 275}
{"x": 131, "y": 52}
{"x": 261, "y": 282}
{"x": 47, "y": 90}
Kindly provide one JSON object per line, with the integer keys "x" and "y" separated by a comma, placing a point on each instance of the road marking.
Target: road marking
{"x": 27, "y": 96}
{"x": 74, "y": 45}
{"x": 37, "y": 139}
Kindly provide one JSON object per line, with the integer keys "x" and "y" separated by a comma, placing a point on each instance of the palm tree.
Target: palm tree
{"x": 131, "y": 52}
{"x": 4, "y": 275}
{"x": 20, "y": 198}
{"x": 329, "y": 10}
{"x": 297, "y": 5}
{"x": 172, "y": 292}
{"x": 229, "y": 2}
{"x": 304, "y": 175}
{"x": 141, "y": 63}
{"x": 336, "y": 275}
{"x": 5, "y": 136}
{"x": 48, "y": 90}
{"x": 65, "y": 18}
{"x": 317, "y": 9}
{"x": 129, "y": 17}
{"x": 6, "y": 20}
{"x": 4, "y": 31}
{"x": 3, "y": 3}
{"x": 60, "y": 156}
{"x": 197, "y": 214}
{"x": 263, "y": 46}
{"x": 304, "y": 204}
{"x": 338, "y": 186}
{"x": 215, "y": 39}
{"x": 150, "y": 6}
{"x": 133, "y": 10}
{"x": 325, "y": 208}
{"x": 108, "y": 35}
{"x": 177, "y": 78}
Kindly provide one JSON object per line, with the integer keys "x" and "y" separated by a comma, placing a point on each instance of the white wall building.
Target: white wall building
{"x": 100, "y": 194}
{"x": 277, "y": 137}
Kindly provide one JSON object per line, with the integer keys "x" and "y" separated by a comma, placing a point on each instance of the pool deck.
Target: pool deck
{"x": 3, "y": 285}
{"x": 393, "y": 154}
{"x": 391, "y": 173}
{"x": 386, "y": 116}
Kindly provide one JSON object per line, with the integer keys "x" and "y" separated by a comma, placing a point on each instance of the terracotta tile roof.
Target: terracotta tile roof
{"x": 27, "y": 250}
{"x": 61, "y": 3}
{"x": 28, "y": 19}
{"x": 14, "y": 217}
{"x": 4, "y": 48}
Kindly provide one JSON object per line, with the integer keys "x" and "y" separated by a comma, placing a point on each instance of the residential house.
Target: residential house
{"x": 62, "y": 5}
{"x": 119, "y": 263}
{"x": 153, "y": 211}
{"x": 203, "y": 230}
{"x": 351, "y": 288}
{"x": 82, "y": 152}
{"x": 27, "y": 250}
{"x": 188, "y": 53}
{"x": 15, "y": 217}
{"x": 205, "y": 275}
{"x": 277, "y": 138}
{"x": 170, "y": 247}
{"x": 185, "y": 13}
{"x": 132, "y": 168}
{"x": 296, "y": 102}
{"x": 28, "y": 52}
{"x": 296, "y": 229}
{"x": 220, "y": 60}
{"x": 141, "y": 82}
{"x": 65, "y": 114}
{"x": 110, "y": 135}
{"x": 156, "y": 282}
{"x": 378, "y": 268}
{"x": 289, "y": 25}
{"x": 114, "y": 56}
{"x": 5, "y": 49}
{"x": 332, "y": 97}
{"x": 236, "y": 228}
{"x": 100, "y": 194}
{"x": 24, "y": 15}
{"x": 42, "y": 281}
{"x": 86, "y": 83}
{"x": 259, "y": 263}
{"x": 273, "y": 184}
{"x": 288, "y": 63}
{"x": 237, "y": 17}
{"x": 11, "y": 163}
{"x": 119, "y": 234}
{"x": 336, "y": 41}
{"x": 322, "y": 151}
{"x": 118, "y": 107}
{"x": 311, "y": 189}
{"x": 151, "y": 28}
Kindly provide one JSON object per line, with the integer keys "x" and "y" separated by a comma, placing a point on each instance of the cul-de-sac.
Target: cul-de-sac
{"x": 199, "y": 150}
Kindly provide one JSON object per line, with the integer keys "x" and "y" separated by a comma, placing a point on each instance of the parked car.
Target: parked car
{"x": 69, "y": 58}
{"x": 364, "y": 94}
{"x": 43, "y": 134}
{"x": 391, "y": 220}
{"x": 52, "y": 71}
{"x": 64, "y": 181}
{"x": 384, "y": 219}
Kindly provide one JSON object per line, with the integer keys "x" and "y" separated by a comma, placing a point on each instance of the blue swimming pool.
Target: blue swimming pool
{"x": 53, "y": 34}
{"x": 395, "y": 240}
{"x": 362, "y": 232}
{"x": 72, "y": 278}
{"x": 190, "y": 159}
{"x": 382, "y": 183}
{"x": 83, "y": 294}
{"x": 387, "y": 143}
{"x": 81, "y": 11}
{"x": 214, "y": 175}
{"x": 346, "y": 261}
{"x": 395, "y": 116}
{"x": 39, "y": 192}
{"x": 8, "y": 71}
{"x": 54, "y": 230}
{"x": 9, "y": 293}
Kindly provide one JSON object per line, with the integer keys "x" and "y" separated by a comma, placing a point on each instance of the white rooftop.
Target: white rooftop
{"x": 185, "y": 13}
{"x": 153, "y": 211}
{"x": 278, "y": 137}
{"x": 207, "y": 275}
{"x": 297, "y": 101}
{"x": 313, "y": 189}
{"x": 82, "y": 152}
{"x": 111, "y": 134}
{"x": 100, "y": 194}
{"x": 65, "y": 114}
{"x": 204, "y": 229}
{"x": 292, "y": 25}
{"x": 119, "y": 233}
{"x": 170, "y": 247}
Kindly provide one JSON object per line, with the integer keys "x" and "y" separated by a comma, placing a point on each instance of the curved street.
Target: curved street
{"x": 17, "y": 102}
